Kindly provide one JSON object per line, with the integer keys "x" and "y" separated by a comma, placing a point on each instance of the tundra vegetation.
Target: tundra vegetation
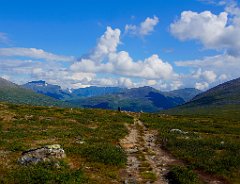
{"x": 205, "y": 143}
{"x": 208, "y": 142}
{"x": 89, "y": 137}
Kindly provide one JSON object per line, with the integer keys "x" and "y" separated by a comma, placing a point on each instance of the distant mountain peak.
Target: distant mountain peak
{"x": 47, "y": 89}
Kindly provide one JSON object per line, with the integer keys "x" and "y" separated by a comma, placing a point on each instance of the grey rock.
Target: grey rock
{"x": 44, "y": 154}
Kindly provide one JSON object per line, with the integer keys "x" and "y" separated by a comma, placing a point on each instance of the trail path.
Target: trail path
{"x": 147, "y": 162}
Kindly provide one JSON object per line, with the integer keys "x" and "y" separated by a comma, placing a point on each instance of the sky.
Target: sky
{"x": 167, "y": 45}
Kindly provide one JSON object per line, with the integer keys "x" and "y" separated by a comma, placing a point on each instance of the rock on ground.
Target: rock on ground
{"x": 44, "y": 154}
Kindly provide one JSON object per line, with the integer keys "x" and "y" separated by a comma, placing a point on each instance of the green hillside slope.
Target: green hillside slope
{"x": 10, "y": 92}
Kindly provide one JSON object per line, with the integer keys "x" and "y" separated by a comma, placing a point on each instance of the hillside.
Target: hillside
{"x": 10, "y": 92}
{"x": 223, "y": 94}
{"x": 221, "y": 99}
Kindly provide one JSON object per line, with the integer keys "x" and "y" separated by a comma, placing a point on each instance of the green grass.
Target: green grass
{"x": 149, "y": 176}
{"x": 182, "y": 175}
{"x": 45, "y": 173}
{"x": 90, "y": 139}
{"x": 211, "y": 144}
{"x": 105, "y": 153}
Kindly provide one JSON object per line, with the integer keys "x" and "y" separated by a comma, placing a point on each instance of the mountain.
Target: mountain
{"x": 223, "y": 98}
{"x": 57, "y": 92}
{"x": 13, "y": 93}
{"x": 96, "y": 91}
{"x": 145, "y": 99}
{"x": 226, "y": 93}
{"x": 187, "y": 93}
{"x": 44, "y": 88}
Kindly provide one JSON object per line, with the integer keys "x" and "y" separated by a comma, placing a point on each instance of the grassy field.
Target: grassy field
{"x": 209, "y": 142}
{"x": 89, "y": 137}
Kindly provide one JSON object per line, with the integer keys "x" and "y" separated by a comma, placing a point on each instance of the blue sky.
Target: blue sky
{"x": 165, "y": 44}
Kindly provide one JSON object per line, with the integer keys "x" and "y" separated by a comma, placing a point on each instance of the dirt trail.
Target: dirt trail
{"x": 147, "y": 162}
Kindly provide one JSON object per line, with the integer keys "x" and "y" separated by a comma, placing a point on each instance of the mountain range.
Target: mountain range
{"x": 145, "y": 99}
{"x": 57, "y": 92}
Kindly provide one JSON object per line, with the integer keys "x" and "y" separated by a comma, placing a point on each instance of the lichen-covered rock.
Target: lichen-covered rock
{"x": 44, "y": 154}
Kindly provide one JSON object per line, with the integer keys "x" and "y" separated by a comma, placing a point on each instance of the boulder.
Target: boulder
{"x": 46, "y": 153}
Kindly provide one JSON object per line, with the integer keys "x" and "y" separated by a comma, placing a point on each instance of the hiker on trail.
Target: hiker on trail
{"x": 119, "y": 109}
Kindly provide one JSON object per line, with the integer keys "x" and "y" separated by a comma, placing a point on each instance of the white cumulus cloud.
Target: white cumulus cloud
{"x": 121, "y": 63}
{"x": 213, "y": 31}
{"x": 145, "y": 28}
{"x": 107, "y": 44}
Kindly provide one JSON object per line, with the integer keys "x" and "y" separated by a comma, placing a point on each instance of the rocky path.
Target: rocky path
{"x": 147, "y": 162}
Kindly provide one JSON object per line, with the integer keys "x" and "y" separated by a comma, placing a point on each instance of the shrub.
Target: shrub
{"x": 104, "y": 153}
{"x": 45, "y": 173}
{"x": 182, "y": 175}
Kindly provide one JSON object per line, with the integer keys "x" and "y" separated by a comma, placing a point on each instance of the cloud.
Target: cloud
{"x": 208, "y": 1}
{"x": 207, "y": 75}
{"x": 212, "y": 70}
{"x": 210, "y": 76}
{"x": 203, "y": 26}
{"x": 150, "y": 68}
{"x": 144, "y": 29}
{"x": 218, "y": 32}
{"x": 219, "y": 64}
{"x": 103, "y": 66}
{"x": 33, "y": 53}
{"x": 107, "y": 44}
{"x": 109, "y": 60}
{"x": 201, "y": 86}
{"x": 213, "y": 31}
{"x": 125, "y": 82}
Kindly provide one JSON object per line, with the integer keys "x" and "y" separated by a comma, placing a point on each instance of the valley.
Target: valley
{"x": 120, "y": 92}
